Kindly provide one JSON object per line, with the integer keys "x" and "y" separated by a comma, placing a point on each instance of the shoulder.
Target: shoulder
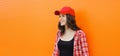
{"x": 58, "y": 33}
{"x": 80, "y": 32}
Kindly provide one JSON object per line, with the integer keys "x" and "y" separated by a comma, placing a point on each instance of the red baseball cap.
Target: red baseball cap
{"x": 65, "y": 10}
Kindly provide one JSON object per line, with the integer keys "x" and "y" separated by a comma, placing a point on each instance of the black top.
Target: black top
{"x": 66, "y": 47}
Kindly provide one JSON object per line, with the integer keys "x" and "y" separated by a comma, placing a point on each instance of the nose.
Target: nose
{"x": 60, "y": 18}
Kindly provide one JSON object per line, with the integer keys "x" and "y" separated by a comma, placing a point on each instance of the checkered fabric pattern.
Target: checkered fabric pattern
{"x": 80, "y": 44}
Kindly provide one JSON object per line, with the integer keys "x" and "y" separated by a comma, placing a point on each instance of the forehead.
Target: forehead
{"x": 61, "y": 14}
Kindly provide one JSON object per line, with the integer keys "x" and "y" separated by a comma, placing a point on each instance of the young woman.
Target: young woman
{"x": 71, "y": 40}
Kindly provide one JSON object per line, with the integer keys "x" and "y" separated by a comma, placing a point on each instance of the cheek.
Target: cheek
{"x": 63, "y": 21}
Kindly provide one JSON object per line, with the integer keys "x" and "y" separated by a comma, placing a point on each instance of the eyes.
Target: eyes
{"x": 61, "y": 15}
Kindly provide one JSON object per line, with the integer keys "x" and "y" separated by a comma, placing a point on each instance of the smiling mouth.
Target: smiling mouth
{"x": 61, "y": 21}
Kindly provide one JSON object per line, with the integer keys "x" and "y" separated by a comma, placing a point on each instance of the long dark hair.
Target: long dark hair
{"x": 71, "y": 23}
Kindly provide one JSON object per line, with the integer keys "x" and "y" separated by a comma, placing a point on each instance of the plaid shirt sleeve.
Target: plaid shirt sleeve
{"x": 56, "y": 51}
{"x": 83, "y": 43}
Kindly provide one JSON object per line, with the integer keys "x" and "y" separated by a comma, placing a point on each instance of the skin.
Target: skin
{"x": 69, "y": 33}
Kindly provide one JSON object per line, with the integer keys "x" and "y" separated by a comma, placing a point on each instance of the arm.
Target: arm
{"x": 55, "y": 51}
{"x": 84, "y": 44}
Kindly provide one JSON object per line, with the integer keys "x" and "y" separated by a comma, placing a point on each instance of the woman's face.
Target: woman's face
{"x": 62, "y": 19}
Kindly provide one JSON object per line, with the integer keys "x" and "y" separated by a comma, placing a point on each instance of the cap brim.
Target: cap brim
{"x": 57, "y": 12}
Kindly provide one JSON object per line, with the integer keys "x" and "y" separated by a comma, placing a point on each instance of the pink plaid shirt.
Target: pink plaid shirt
{"x": 80, "y": 44}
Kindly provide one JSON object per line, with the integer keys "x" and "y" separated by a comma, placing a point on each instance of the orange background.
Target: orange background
{"x": 28, "y": 27}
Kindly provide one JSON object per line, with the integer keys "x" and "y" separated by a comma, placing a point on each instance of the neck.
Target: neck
{"x": 68, "y": 29}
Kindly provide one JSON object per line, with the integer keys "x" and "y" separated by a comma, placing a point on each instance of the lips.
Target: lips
{"x": 61, "y": 21}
